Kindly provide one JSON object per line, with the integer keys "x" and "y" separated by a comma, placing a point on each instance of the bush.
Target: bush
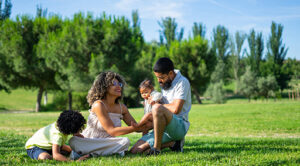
{"x": 216, "y": 92}
{"x": 60, "y": 102}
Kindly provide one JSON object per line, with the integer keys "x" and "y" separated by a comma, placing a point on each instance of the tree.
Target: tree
{"x": 215, "y": 89}
{"x": 236, "y": 48}
{"x": 248, "y": 86}
{"x": 196, "y": 60}
{"x": 267, "y": 86}
{"x": 256, "y": 46}
{"x": 221, "y": 46}
{"x": 276, "y": 55}
{"x": 168, "y": 32}
{"x": 199, "y": 29}
{"x": 121, "y": 46}
{"x": 20, "y": 39}
{"x": 6, "y": 11}
{"x": 66, "y": 53}
{"x": 221, "y": 43}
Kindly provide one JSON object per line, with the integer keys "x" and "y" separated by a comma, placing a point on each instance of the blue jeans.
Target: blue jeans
{"x": 36, "y": 151}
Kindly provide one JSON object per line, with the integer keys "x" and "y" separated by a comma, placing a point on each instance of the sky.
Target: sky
{"x": 235, "y": 15}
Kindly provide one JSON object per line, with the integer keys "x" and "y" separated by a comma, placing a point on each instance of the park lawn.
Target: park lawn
{"x": 20, "y": 100}
{"x": 236, "y": 133}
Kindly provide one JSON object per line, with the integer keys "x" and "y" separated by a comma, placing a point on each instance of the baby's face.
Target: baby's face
{"x": 145, "y": 93}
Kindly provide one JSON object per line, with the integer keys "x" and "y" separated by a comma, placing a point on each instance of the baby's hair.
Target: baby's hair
{"x": 146, "y": 84}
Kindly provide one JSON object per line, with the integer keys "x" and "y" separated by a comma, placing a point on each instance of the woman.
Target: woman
{"x": 104, "y": 121}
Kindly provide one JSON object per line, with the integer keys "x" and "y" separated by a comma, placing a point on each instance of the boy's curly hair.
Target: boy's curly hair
{"x": 70, "y": 122}
{"x": 101, "y": 84}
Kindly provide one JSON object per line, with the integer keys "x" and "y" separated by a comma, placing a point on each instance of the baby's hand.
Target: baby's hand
{"x": 134, "y": 124}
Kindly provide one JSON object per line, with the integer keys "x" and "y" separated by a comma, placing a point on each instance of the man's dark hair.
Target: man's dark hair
{"x": 70, "y": 122}
{"x": 163, "y": 65}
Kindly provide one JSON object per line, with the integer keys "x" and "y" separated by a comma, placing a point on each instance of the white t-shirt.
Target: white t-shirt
{"x": 180, "y": 89}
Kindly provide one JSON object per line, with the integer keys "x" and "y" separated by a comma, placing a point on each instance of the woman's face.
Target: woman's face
{"x": 116, "y": 88}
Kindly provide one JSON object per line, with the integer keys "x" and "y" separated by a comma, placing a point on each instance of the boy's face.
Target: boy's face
{"x": 145, "y": 93}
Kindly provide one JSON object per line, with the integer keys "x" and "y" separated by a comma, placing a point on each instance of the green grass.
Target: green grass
{"x": 236, "y": 133}
{"x": 20, "y": 100}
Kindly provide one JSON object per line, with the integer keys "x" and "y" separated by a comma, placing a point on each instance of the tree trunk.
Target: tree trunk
{"x": 39, "y": 98}
{"x": 70, "y": 101}
{"x": 197, "y": 97}
{"x": 45, "y": 97}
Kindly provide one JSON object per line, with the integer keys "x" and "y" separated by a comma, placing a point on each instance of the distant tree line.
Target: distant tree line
{"x": 49, "y": 53}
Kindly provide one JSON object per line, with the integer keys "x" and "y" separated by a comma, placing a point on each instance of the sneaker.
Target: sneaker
{"x": 178, "y": 146}
{"x": 153, "y": 152}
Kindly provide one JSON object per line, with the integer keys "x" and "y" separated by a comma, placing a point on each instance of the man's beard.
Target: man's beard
{"x": 166, "y": 85}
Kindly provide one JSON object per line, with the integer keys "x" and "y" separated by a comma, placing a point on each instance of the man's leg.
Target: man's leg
{"x": 161, "y": 118}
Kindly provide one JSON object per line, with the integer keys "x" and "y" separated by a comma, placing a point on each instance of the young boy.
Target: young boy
{"x": 52, "y": 138}
{"x": 150, "y": 95}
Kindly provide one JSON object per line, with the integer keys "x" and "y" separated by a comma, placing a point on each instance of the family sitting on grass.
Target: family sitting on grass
{"x": 166, "y": 113}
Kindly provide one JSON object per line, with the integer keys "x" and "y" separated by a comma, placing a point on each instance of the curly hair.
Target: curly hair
{"x": 101, "y": 84}
{"x": 70, "y": 122}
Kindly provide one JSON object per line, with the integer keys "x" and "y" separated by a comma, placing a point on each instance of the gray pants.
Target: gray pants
{"x": 99, "y": 146}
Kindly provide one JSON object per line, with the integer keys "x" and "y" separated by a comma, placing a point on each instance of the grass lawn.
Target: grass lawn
{"x": 235, "y": 133}
{"x": 20, "y": 100}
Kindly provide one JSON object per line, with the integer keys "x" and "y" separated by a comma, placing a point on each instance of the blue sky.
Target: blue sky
{"x": 235, "y": 15}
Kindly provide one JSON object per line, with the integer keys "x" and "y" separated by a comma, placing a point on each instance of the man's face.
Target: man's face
{"x": 164, "y": 80}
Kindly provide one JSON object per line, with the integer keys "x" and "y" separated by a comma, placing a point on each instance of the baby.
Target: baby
{"x": 150, "y": 95}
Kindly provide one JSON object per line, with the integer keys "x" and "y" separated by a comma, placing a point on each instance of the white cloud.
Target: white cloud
{"x": 154, "y": 9}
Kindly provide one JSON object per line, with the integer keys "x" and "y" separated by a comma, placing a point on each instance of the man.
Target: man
{"x": 170, "y": 120}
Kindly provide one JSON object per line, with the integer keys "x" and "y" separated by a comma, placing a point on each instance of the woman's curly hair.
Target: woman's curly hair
{"x": 70, "y": 122}
{"x": 101, "y": 84}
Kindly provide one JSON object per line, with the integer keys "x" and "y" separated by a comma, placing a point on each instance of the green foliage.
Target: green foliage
{"x": 60, "y": 101}
{"x": 256, "y": 46}
{"x": 236, "y": 49}
{"x": 215, "y": 89}
{"x": 168, "y": 32}
{"x": 221, "y": 45}
{"x": 248, "y": 86}
{"x": 199, "y": 29}
{"x": 195, "y": 60}
{"x": 276, "y": 55}
{"x": 267, "y": 86}
{"x": 6, "y": 11}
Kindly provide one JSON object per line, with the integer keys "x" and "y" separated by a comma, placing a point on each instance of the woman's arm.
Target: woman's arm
{"x": 102, "y": 114}
{"x": 128, "y": 119}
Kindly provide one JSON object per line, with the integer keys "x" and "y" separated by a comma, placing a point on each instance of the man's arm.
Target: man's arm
{"x": 176, "y": 106}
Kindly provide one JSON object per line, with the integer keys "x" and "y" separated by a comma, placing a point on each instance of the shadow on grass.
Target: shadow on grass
{"x": 243, "y": 145}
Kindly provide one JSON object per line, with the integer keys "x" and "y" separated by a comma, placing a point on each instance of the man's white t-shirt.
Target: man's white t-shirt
{"x": 180, "y": 89}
